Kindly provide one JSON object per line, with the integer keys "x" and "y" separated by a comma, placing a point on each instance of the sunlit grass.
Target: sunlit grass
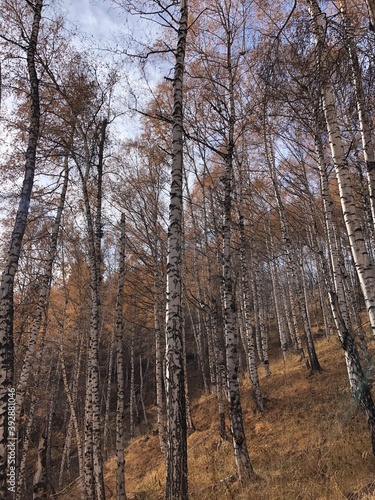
{"x": 310, "y": 442}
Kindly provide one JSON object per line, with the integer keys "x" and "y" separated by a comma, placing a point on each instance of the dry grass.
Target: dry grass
{"x": 310, "y": 443}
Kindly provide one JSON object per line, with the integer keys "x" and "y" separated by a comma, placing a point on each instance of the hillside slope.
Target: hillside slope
{"x": 310, "y": 442}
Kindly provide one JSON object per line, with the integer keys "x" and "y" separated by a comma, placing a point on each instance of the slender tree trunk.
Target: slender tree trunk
{"x": 197, "y": 326}
{"x": 120, "y": 381}
{"x": 249, "y": 326}
{"x": 358, "y": 383}
{"x": 244, "y": 467}
{"x": 363, "y": 118}
{"x": 276, "y": 299}
{"x": 11, "y": 265}
{"x": 363, "y": 264}
{"x": 371, "y": 11}
{"x": 42, "y": 300}
{"x": 133, "y": 401}
{"x": 209, "y": 313}
{"x": 71, "y": 402}
{"x": 108, "y": 394}
{"x": 21, "y": 476}
{"x": 141, "y": 375}
{"x": 40, "y": 477}
{"x": 291, "y": 259}
{"x": 176, "y": 466}
{"x": 159, "y": 363}
{"x": 93, "y": 462}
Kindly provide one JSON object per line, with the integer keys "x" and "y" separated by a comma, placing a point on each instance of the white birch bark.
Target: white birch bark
{"x": 260, "y": 314}
{"x": 27, "y": 365}
{"x": 249, "y": 326}
{"x": 132, "y": 401}
{"x": 244, "y": 467}
{"x": 363, "y": 264}
{"x": 358, "y": 383}
{"x": 40, "y": 477}
{"x": 22, "y": 464}
{"x": 197, "y": 326}
{"x": 276, "y": 299}
{"x": 189, "y": 420}
{"x": 108, "y": 393}
{"x": 176, "y": 459}
{"x": 141, "y": 375}
{"x": 13, "y": 255}
{"x": 362, "y": 110}
{"x": 210, "y": 314}
{"x": 71, "y": 403}
{"x": 120, "y": 375}
{"x": 291, "y": 262}
{"x": 159, "y": 363}
{"x": 72, "y": 426}
{"x": 371, "y": 11}
{"x": 93, "y": 462}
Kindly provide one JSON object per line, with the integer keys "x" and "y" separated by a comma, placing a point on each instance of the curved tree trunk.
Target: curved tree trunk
{"x": 42, "y": 299}
{"x": 11, "y": 266}
{"x": 362, "y": 111}
{"x": 363, "y": 263}
{"x": 371, "y": 12}
{"x": 358, "y": 383}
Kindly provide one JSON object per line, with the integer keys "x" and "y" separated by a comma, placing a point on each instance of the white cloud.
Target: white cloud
{"x": 95, "y": 18}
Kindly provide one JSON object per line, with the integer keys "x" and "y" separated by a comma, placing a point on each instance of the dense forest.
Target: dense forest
{"x": 183, "y": 206}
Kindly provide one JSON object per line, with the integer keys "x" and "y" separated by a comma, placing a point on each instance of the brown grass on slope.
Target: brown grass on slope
{"x": 310, "y": 443}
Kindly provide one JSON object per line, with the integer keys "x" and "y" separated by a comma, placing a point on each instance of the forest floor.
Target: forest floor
{"x": 310, "y": 442}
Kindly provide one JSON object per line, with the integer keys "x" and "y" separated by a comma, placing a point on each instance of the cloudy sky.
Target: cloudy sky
{"x": 95, "y": 17}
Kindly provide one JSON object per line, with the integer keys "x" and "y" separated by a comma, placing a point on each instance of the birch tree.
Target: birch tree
{"x": 7, "y": 280}
{"x": 177, "y": 473}
{"x": 120, "y": 410}
{"x": 363, "y": 263}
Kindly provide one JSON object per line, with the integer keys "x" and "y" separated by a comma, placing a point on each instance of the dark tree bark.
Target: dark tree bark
{"x": 176, "y": 477}
{"x": 120, "y": 410}
{"x": 11, "y": 266}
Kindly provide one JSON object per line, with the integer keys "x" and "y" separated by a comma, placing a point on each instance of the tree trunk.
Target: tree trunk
{"x": 371, "y": 12}
{"x": 108, "y": 393}
{"x": 11, "y": 265}
{"x": 244, "y": 468}
{"x": 141, "y": 375}
{"x": 358, "y": 383}
{"x": 132, "y": 401}
{"x": 357, "y": 379}
{"x": 249, "y": 326}
{"x": 176, "y": 467}
{"x": 40, "y": 477}
{"x": 291, "y": 259}
{"x": 70, "y": 394}
{"x": 93, "y": 462}
{"x": 42, "y": 300}
{"x": 120, "y": 382}
{"x": 363, "y": 264}
{"x": 21, "y": 476}
{"x": 159, "y": 363}
{"x": 362, "y": 111}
